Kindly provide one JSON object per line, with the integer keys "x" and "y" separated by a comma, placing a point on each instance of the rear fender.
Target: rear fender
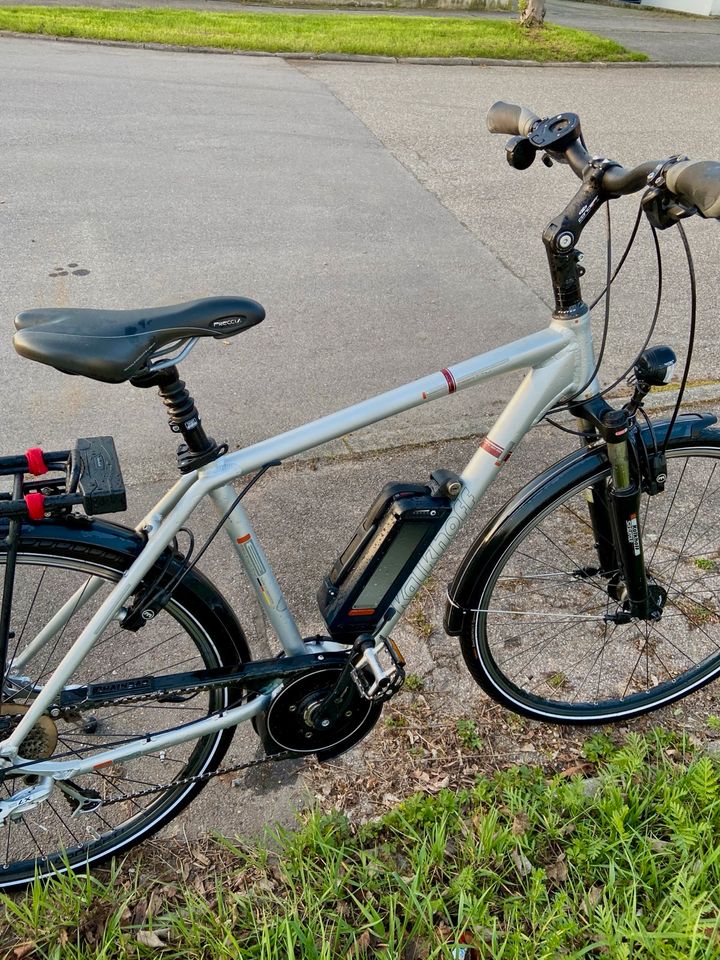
{"x": 558, "y": 477}
{"x": 95, "y": 539}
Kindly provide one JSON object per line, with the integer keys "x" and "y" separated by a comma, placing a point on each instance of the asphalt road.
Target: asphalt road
{"x": 364, "y": 204}
{"x": 169, "y": 176}
{"x": 432, "y": 119}
{"x": 366, "y": 207}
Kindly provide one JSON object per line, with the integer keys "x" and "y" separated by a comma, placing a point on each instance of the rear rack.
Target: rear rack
{"x": 88, "y": 476}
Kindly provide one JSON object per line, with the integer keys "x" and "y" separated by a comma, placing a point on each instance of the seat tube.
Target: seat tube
{"x": 258, "y": 570}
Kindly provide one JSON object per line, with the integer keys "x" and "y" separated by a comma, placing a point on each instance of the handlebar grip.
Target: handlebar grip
{"x": 510, "y": 118}
{"x": 698, "y": 183}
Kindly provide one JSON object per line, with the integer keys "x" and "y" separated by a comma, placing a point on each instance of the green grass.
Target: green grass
{"x": 468, "y": 735}
{"x": 625, "y": 866}
{"x": 317, "y": 33}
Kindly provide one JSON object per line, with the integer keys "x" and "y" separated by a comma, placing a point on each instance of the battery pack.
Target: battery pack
{"x": 385, "y": 548}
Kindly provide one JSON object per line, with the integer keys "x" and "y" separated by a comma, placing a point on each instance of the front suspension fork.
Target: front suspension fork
{"x": 614, "y": 509}
{"x": 623, "y": 498}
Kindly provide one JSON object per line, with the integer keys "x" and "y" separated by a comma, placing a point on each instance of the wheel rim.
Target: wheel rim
{"x": 541, "y": 634}
{"x": 47, "y": 840}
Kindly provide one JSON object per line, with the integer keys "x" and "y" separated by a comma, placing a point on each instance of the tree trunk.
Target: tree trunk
{"x": 532, "y": 13}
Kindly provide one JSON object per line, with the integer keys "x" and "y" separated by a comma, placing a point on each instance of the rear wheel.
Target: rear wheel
{"x": 542, "y": 640}
{"x": 181, "y": 637}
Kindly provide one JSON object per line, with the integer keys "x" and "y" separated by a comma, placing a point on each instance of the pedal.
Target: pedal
{"x": 380, "y": 671}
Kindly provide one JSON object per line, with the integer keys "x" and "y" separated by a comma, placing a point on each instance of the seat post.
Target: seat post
{"x": 183, "y": 417}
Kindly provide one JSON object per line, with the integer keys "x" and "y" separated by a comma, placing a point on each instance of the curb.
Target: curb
{"x": 645, "y": 8}
{"x": 359, "y": 57}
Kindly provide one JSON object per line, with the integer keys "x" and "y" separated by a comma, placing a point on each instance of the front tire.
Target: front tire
{"x": 537, "y": 639}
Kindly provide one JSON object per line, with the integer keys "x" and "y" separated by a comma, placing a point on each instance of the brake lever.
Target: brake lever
{"x": 663, "y": 210}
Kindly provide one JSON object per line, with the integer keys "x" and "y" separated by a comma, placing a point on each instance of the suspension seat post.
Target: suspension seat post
{"x": 197, "y": 449}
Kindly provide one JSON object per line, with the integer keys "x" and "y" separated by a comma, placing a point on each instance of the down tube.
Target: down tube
{"x": 540, "y": 388}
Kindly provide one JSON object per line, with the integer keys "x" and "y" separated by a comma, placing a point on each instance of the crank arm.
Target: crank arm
{"x": 333, "y": 706}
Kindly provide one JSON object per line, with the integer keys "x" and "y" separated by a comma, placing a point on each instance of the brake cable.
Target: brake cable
{"x": 691, "y": 336}
{"x": 658, "y": 257}
{"x": 606, "y": 294}
{"x": 623, "y": 258}
{"x": 653, "y": 322}
{"x": 609, "y": 277}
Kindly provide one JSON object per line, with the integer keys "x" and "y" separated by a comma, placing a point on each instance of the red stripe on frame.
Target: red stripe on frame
{"x": 492, "y": 448}
{"x": 452, "y": 385}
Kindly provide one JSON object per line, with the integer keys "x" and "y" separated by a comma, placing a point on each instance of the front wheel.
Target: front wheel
{"x": 541, "y": 638}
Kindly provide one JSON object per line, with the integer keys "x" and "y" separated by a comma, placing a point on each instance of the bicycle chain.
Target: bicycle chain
{"x": 198, "y": 778}
{"x": 140, "y": 697}
{"x": 184, "y": 781}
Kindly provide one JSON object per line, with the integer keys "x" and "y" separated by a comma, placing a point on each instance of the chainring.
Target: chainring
{"x": 285, "y": 725}
{"x": 40, "y": 743}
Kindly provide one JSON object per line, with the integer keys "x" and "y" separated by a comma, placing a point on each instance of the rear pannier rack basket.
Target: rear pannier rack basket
{"x": 88, "y": 476}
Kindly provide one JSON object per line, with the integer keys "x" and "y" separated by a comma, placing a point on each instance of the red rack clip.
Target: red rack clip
{"x": 35, "y": 503}
{"x": 36, "y": 461}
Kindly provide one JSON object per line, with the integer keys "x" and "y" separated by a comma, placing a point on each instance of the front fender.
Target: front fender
{"x": 565, "y": 473}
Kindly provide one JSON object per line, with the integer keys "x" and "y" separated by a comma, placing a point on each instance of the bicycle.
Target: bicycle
{"x": 99, "y": 750}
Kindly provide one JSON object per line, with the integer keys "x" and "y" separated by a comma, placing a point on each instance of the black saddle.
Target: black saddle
{"x": 115, "y": 345}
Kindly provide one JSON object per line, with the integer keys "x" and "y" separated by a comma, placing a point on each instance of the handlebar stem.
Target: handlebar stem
{"x": 562, "y": 234}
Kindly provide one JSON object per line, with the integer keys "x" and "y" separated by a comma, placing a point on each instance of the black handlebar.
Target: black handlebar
{"x": 695, "y": 183}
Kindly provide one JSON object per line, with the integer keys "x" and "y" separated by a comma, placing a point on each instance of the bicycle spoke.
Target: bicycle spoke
{"x": 599, "y": 585}
{"x": 133, "y": 659}
{"x": 667, "y": 515}
{"x": 687, "y": 532}
{"x": 61, "y": 634}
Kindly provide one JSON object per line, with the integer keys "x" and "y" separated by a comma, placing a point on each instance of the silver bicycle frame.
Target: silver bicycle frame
{"x": 560, "y": 361}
